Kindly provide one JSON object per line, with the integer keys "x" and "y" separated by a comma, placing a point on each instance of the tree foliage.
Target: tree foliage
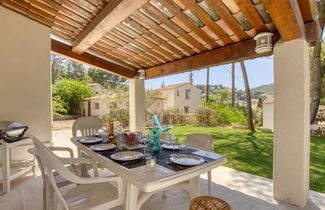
{"x": 68, "y": 94}
{"x": 105, "y": 79}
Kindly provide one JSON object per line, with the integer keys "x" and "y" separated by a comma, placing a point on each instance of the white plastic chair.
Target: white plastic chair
{"x": 89, "y": 193}
{"x": 87, "y": 126}
{"x": 202, "y": 142}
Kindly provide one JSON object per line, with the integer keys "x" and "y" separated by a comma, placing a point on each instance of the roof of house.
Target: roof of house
{"x": 269, "y": 100}
{"x": 91, "y": 98}
{"x": 93, "y": 84}
{"x": 173, "y": 86}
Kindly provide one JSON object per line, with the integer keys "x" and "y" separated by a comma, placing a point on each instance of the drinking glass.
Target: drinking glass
{"x": 147, "y": 151}
{"x": 151, "y": 163}
{"x": 120, "y": 141}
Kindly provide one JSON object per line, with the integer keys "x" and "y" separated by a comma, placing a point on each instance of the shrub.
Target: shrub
{"x": 213, "y": 115}
{"x": 205, "y": 116}
{"x": 171, "y": 116}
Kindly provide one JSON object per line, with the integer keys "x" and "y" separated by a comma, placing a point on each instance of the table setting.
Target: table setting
{"x": 137, "y": 149}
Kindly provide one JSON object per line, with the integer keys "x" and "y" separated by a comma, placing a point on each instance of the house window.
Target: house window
{"x": 177, "y": 92}
{"x": 188, "y": 94}
{"x": 186, "y": 109}
{"x": 96, "y": 105}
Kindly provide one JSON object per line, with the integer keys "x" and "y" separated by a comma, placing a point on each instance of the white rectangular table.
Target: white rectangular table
{"x": 149, "y": 182}
{"x": 9, "y": 173}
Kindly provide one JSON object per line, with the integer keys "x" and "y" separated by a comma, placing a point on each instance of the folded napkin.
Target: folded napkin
{"x": 207, "y": 154}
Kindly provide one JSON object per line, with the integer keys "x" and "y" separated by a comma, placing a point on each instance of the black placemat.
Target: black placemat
{"x": 162, "y": 157}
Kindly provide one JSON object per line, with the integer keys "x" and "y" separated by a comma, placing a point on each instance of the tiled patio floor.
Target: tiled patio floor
{"x": 243, "y": 191}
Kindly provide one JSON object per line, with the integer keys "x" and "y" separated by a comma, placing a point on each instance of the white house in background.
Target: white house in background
{"x": 96, "y": 88}
{"x": 268, "y": 110}
{"x": 185, "y": 97}
{"x": 93, "y": 107}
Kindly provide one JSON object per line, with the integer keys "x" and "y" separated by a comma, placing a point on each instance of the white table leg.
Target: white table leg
{"x": 193, "y": 188}
{"x": 132, "y": 193}
{"x": 6, "y": 168}
{"x": 210, "y": 182}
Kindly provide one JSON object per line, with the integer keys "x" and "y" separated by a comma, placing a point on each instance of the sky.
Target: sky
{"x": 259, "y": 72}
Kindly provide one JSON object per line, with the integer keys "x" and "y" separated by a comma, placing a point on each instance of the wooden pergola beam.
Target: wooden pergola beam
{"x": 286, "y": 17}
{"x": 233, "y": 53}
{"x": 65, "y": 50}
{"x": 109, "y": 17}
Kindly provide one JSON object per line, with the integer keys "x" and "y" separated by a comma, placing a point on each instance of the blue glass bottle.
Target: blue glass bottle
{"x": 154, "y": 138}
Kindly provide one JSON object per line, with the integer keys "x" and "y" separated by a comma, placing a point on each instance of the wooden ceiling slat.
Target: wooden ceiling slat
{"x": 148, "y": 43}
{"x": 15, "y": 7}
{"x": 125, "y": 52}
{"x": 252, "y": 15}
{"x": 126, "y": 44}
{"x": 73, "y": 15}
{"x": 47, "y": 19}
{"x": 116, "y": 56}
{"x": 65, "y": 50}
{"x": 140, "y": 18}
{"x": 207, "y": 20}
{"x": 155, "y": 38}
{"x": 62, "y": 16}
{"x": 188, "y": 22}
{"x": 119, "y": 34}
{"x": 175, "y": 27}
{"x": 232, "y": 53}
{"x": 77, "y": 10}
{"x": 225, "y": 15}
{"x": 109, "y": 17}
{"x": 86, "y": 6}
{"x": 110, "y": 58}
{"x": 134, "y": 55}
{"x": 287, "y": 18}
{"x": 62, "y": 36}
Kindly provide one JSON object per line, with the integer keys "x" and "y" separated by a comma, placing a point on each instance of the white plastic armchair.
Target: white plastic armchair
{"x": 202, "y": 142}
{"x": 89, "y": 193}
{"x": 87, "y": 126}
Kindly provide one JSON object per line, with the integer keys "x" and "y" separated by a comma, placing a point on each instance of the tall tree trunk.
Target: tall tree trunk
{"x": 248, "y": 98}
{"x": 317, "y": 74}
{"x": 207, "y": 86}
{"x": 233, "y": 84}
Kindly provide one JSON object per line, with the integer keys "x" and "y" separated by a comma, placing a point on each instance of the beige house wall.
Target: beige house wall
{"x": 192, "y": 102}
{"x": 168, "y": 96}
{"x": 268, "y": 116}
{"x": 25, "y": 77}
{"x": 103, "y": 110}
{"x": 97, "y": 88}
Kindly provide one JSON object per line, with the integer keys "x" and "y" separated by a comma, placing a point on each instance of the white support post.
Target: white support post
{"x": 137, "y": 105}
{"x": 291, "y": 122}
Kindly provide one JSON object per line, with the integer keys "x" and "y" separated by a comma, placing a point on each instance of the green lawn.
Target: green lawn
{"x": 252, "y": 152}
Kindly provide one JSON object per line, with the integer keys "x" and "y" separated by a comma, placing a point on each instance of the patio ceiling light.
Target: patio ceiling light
{"x": 142, "y": 74}
{"x": 263, "y": 42}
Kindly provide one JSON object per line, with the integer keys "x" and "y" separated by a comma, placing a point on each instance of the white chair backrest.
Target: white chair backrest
{"x": 200, "y": 141}
{"x": 51, "y": 162}
{"x": 87, "y": 126}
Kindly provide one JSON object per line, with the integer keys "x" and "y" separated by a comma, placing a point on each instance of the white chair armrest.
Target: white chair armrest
{"x": 65, "y": 149}
{"x": 94, "y": 180}
{"x": 66, "y": 161}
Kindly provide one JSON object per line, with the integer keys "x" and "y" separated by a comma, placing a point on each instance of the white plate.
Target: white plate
{"x": 173, "y": 146}
{"x": 127, "y": 156}
{"x": 102, "y": 147}
{"x": 187, "y": 160}
{"x": 90, "y": 140}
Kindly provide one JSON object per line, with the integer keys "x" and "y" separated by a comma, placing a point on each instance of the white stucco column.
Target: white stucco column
{"x": 291, "y": 122}
{"x": 137, "y": 105}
